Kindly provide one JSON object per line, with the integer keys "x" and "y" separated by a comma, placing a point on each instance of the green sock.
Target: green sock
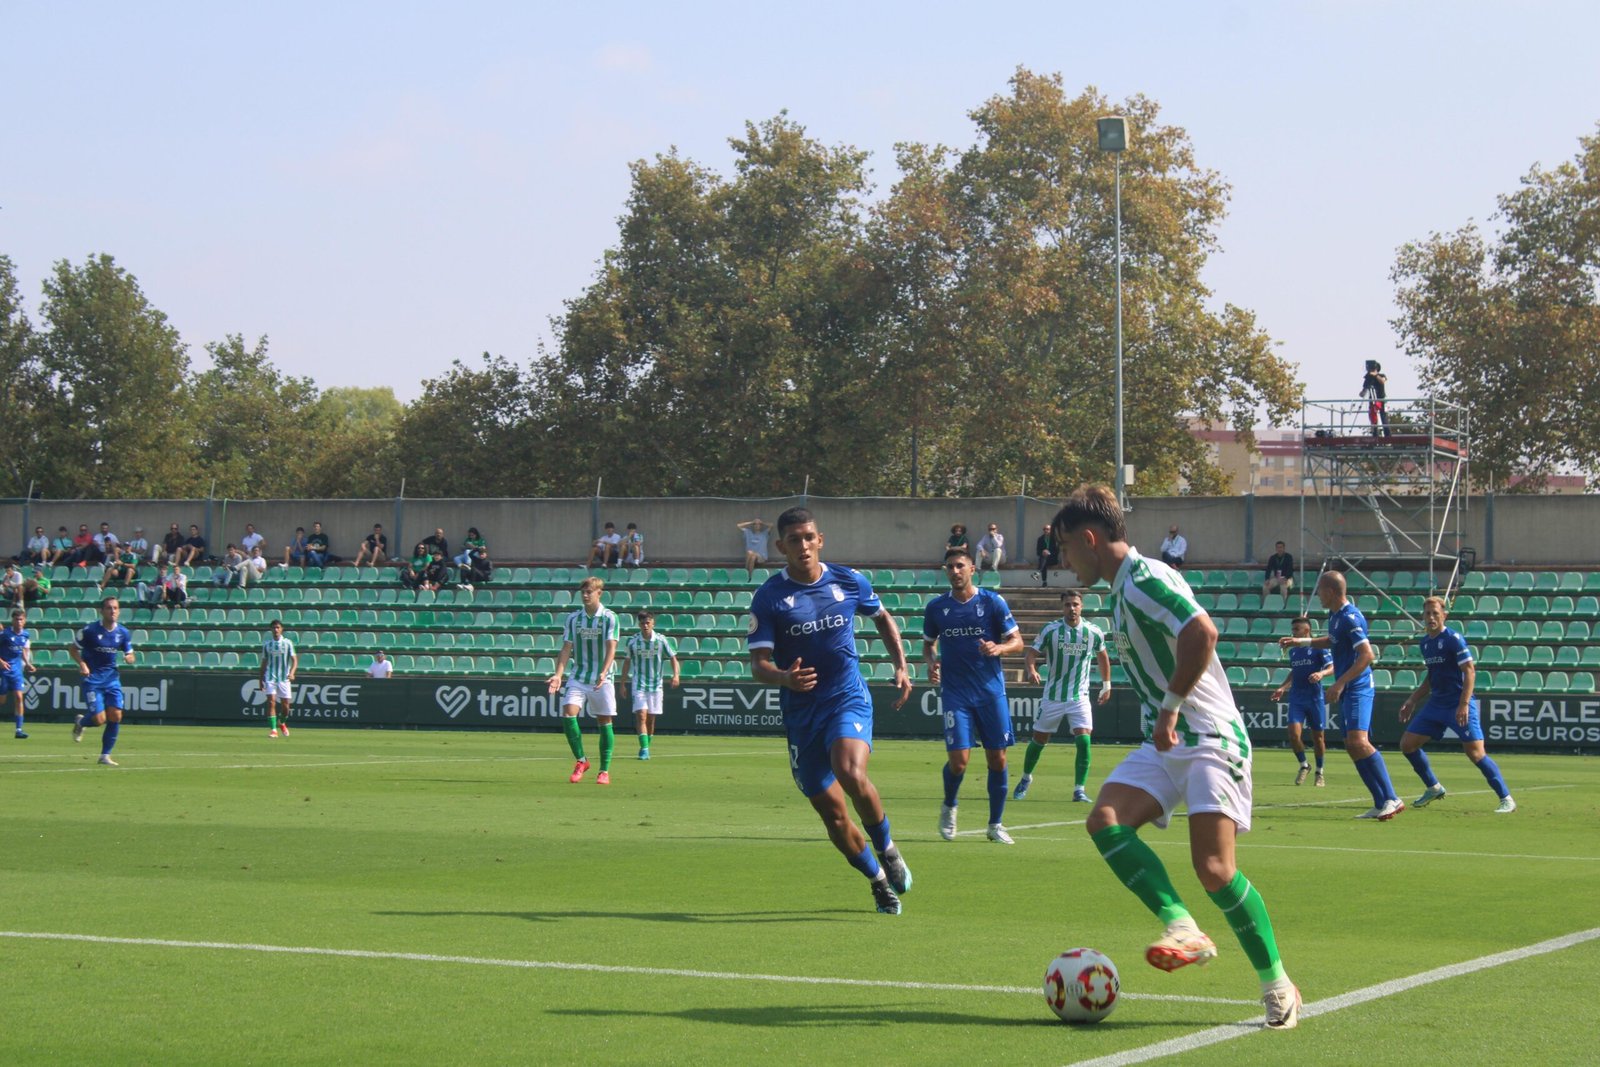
{"x": 1138, "y": 868}
{"x": 1031, "y": 760}
{"x": 574, "y": 735}
{"x": 644, "y": 742}
{"x": 272, "y": 721}
{"x": 1080, "y": 768}
{"x": 1246, "y": 912}
{"x": 608, "y": 744}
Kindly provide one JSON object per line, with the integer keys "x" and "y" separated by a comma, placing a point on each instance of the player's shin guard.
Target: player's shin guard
{"x": 1080, "y": 767}
{"x": 108, "y": 739}
{"x": 1031, "y": 760}
{"x": 574, "y": 732}
{"x": 1492, "y": 772}
{"x": 1247, "y": 914}
{"x": 608, "y": 744}
{"x": 879, "y": 833}
{"x": 952, "y": 785}
{"x": 1138, "y": 868}
{"x": 999, "y": 784}
{"x": 1424, "y": 769}
{"x": 865, "y": 862}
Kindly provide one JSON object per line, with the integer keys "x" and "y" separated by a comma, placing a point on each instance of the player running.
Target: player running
{"x": 16, "y": 655}
{"x": 279, "y": 661}
{"x": 645, "y": 656}
{"x": 973, "y": 628}
{"x": 1444, "y": 700}
{"x": 1068, "y": 645}
{"x": 802, "y": 639}
{"x": 1352, "y": 690}
{"x": 1196, "y": 751}
{"x": 589, "y": 641}
{"x": 96, "y": 652}
{"x": 1307, "y": 668}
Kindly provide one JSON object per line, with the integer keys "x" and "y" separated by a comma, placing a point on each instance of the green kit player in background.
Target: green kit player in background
{"x": 589, "y": 643}
{"x": 279, "y": 661}
{"x": 1069, "y": 645}
{"x": 1195, "y": 753}
{"x": 645, "y": 656}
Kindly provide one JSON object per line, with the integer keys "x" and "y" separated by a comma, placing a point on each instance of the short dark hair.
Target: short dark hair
{"x": 108, "y": 600}
{"x": 1073, "y": 593}
{"x": 633, "y": 526}
{"x": 611, "y": 526}
{"x": 1277, "y": 542}
{"x": 949, "y": 553}
{"x": 645, "y": 615}
{"x": 18, "y": 613}
{"x": 1298, "y": 619}
{"x": 1091, "y": 505}
{"x": 274, "y": 622}
{"x": 794, "y": 517}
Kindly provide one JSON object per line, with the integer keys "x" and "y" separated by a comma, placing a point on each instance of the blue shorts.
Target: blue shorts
{"x": 1436, "y": 717}
{"x": 811, "y": 743}
{"x": 12, "y": 682}
{"x": 102, "y": 695}
{"x": 987, "y": 718}
{"x": 1355, "y": 709}
{"x": 1311, "y": 711}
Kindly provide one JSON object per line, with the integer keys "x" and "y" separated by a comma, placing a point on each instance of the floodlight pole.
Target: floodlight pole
{"x": 1114, "y": 139}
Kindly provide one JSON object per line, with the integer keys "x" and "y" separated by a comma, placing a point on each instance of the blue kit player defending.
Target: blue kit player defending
{"x": 973, "y": 629}
{"x": 1352, "y": 690}
{"x": 802, "y": 638}
{"x": 1307, "y": 668}
{"x": 1444, "y": 701}
{"x": 96, "y": 651}
{"x": 16, "y": 655}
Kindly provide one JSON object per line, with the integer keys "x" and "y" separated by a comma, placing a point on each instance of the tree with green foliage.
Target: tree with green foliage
{"x": 25, "y": 396}
{"x": 1509, "y": 326}
{"x": 471, "y": 434}
{"x": 249, "y": 422}
{"x": 347, "y": 443}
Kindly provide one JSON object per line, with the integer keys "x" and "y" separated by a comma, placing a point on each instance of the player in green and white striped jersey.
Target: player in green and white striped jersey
{"x": 1069, "y": 645}
{"x": 645, "y": 657}
{"x": 278, "y": 664}
{"x": 589, "y": 642}
{"x": 1196, "y": 751}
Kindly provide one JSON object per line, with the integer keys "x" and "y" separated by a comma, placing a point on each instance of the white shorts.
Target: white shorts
{"x": 598, "y": 700}
{"x": 1076, "y": 712}
{"x": 281, "y": 690}
{"x": 1203, "y": 778}
{"x": 648, "y": 702}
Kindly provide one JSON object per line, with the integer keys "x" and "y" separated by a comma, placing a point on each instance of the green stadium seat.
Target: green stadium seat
{"x": 1513, "y": 604}
{"x": 1579, "y": 631}
{"x": 1236, "y": 675}
{"x": 1588, "y": 606}
{"x": 1402, "y": 581}
{"x": 1498, "y": 581}
{"x": 1547, "y": 582}
{"x": 1476, "y": 630}
{"x": 1517, "y": 656}
{"x": 1541, "y": 656}
{"x": 1522, "y": 581}
{"x": 1552, "y": 630}
{"x": 1562, "y": 606}
{"x": 1382, "y": 679}
{"x": 1527, "y": 630}
{"x": 1571, "y": 582}
{"x": 1227, "y": 602}
{"x": 1237, "y": 626}
{"x": 1262, "y": 627}
{"x": 1491, "y": 655}
{"x": 1247, "y": 652}
{"x": 425, "y": 664}
{"x": 1537, "y": 605}
{"x": 1226, "y": 650}
{"x": 405, "y": 662}
{"x": 1582, "y": 684}
{"x": 1567, "y": 657}
{"x": 1502, "y": 630}
{"x": 1488, "y": 605}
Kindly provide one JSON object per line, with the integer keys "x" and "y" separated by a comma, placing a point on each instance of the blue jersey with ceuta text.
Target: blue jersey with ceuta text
{"x": 1305, "y": 661}
{"x": 13, "y": 649}
{"x": 101, "y": 648}
{"x": 1347, "y": 631}
{"x": 815, "y": 623}
{"x": 1446, "y": 655}
{"x": 968, "y": 678}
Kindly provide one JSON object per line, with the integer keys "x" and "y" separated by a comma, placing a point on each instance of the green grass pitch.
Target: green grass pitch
{"x": 465, "y": 862}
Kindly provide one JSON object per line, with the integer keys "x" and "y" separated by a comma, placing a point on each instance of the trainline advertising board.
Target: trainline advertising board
{"x": 720, "y": 707}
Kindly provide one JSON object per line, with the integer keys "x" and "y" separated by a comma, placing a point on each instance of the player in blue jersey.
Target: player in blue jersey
{"x": 972, "y": 628}
{"x": 1307, "y": 668}
{"x": 16, "y": 655}
{"x": 1352, "y": 690}
{"x": 97, "y": 650}
{"x": 1444, "y": 701}
{"x": 802, "y": 638}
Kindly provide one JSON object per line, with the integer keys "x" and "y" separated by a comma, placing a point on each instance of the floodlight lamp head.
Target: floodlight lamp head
{"x": 1113, "y": 133}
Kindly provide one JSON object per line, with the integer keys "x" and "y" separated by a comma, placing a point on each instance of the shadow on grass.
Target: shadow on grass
{"x": 824, "y": 915}
{"x": 791, "y": 1017}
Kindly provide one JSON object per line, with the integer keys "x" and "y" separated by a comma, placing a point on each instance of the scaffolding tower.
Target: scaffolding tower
{"x": 1390, "y": 494}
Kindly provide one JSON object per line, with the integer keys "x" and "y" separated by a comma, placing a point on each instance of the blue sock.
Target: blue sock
{"x": 952, "y": 785}
{"x": 1319, "y": 762}
{"x": 998, "y": 783}
{"x": 1364, "y": 769}
{"x": 108, "y": 740}
{"x": 866, "y": 863}
{"x": 19, "y": 720}
{"x": 1492, "y": 772}
{"x": 1301, "y": 756}
{"x": 879, "y": 833}
{"x": 1380, "y": 776}
{"x": 1424, "y": 769}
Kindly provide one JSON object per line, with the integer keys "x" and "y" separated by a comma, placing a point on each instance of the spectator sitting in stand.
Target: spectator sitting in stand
{"x": 193, "y": 551}
{"x": 121, "y": 566}
{"x": 632, "y": 546}
{"x": 1045, "y": 547}
{"x": 473, "y": 540}
{"x": 154, "y": 591}
{"x": 36, "y": 588}
{"x": 295, "y": 551}
{"x": 607, "y": 548}
{"x": 38, "y": 547}
{"x": 231, "y": 570}
{"x": 477, "y": 569}
{"x": 317, "y": 547}
{"x": 105, "y": 545}
{"x": 374, "y": 547}
{"x": 991, "y": 549}
{"x": 253, "y": 568}
{"x": 82, "y": 547}
{"x": 11, "y": 585}
{"x": 139, "y": 545}
{"x": 61, "y": 548}
{"x": 171, "y": 545}
{"x": 1174, "y": 548}
{"x": 755, "y": 544}
{"x": 439, "y": 574}
{"x": 411, "y": 575}
{"x": 175, "y": 589}
{"x": 251, "y": 540}
{"x": 1280, "y": 574}
{"x": 437, "y": 542}
{"x": 957, "y": 541}
{"x": 381, "y": 666}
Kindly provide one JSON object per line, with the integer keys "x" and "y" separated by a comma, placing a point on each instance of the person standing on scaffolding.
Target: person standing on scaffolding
{"x": 1374, "y": 391}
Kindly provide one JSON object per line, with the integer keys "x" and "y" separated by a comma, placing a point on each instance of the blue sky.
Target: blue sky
{"x": 384, "y": 188}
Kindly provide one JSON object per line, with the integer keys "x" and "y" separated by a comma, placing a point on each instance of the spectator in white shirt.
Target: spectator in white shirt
{"x": 991, "y": 549}
{"x": 251, "y": 539}
{"x": 607, "y": 550}
{"x": 1174, "y": 548}
{"x": 381, "y": 667}
{"x": 139, "y": 545}
{"x": 38, "y": 550}
{"x": 254, "y": 566}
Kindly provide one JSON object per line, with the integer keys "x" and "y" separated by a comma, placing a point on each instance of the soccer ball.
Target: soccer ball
{"x": 1080, "y": 985}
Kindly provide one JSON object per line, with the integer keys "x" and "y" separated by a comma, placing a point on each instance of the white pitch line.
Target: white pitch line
{"x": 599, "y": 968}
{"x": 1217, "y": 1034}
{"x": 128, "y": 767}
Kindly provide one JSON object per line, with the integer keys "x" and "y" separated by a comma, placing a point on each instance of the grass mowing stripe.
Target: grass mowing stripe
{"x": 599, "y": 968}
{"x": 127, "y": 768}
{"x": 1228, "y": 1032}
